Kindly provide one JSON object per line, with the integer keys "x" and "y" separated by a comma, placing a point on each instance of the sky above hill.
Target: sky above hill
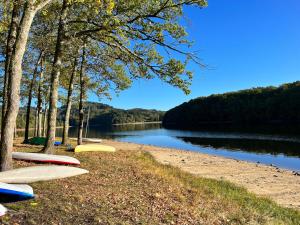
{"x": 244, "y": 44}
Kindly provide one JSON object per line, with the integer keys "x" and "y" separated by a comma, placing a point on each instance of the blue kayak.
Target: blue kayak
{"x": 57, "y": 143}
{"x": 13, "y": 193}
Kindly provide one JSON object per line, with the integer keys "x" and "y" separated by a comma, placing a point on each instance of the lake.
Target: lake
{"x": 281, "y": 150}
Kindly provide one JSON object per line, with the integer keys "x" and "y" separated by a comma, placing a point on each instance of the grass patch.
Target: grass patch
{"x": 130, "y": 187}
{"x": 250, "y": 206}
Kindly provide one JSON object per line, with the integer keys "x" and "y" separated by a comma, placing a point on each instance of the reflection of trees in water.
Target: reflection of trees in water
{"x": 133, "y": 127}
{"x": 107, "y": 131}
{"x": 285, "y": 130}
{"x": 249, "y": 145}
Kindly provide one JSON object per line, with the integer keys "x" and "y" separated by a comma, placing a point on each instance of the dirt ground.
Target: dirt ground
{"x": 130, "y": 187}
{"x": 280, "y": 185}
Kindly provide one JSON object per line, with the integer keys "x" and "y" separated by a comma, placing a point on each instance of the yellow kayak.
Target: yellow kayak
{"x": 94, "y": 148}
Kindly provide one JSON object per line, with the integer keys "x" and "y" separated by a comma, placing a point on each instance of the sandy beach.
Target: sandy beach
{"x": 280, "y": 185}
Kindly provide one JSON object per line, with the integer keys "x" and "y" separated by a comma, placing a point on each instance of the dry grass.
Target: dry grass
{"x": 129, "y": 187}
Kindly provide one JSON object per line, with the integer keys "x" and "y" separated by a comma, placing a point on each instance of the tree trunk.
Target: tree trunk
{"x": 27, "y": 123}
{"x": 40, "y": 102}
{"x": 35, "y": 123}
{"x": 87, "y": 122}
{"x": 13, "y": 97}
{"x": 46, "y": 113}
{"x": 11, "y": 38}
{"x": 45, "y": 120}
{"x": 65, "y": 134}
{"x": 57, "y": 63}
{"x": 82, "y": 89}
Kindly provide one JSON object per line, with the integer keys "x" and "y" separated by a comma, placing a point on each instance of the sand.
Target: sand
{"x": 281, "y": 185}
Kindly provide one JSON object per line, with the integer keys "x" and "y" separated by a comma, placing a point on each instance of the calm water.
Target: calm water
{"x": 281, "y": 150}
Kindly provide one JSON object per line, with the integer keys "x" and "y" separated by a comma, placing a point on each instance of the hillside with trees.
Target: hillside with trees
{"x": 269, "y": 105}
{"x": 105, "y": 115}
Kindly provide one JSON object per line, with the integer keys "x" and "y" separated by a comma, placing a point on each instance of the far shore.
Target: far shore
{"x": 280, "y": 185}
{"x": 32, "y": 128}
{"x": 136, "y": 123}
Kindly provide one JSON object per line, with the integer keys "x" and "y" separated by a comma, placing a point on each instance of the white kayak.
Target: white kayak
{"x": 3, "y": 210}
{"x": 39, "y": 173}
{"x": 93, "y": 140}
{"x": 11, "y": 193}
{"x": 45, "y": 158}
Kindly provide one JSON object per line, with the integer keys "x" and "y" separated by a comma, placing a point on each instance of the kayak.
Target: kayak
{"x": 57, "y": 143}
{"x": 41, "y": 141}
{"x": 94, "y": 148}
{"x": 45, "y": 158}
{"x": 3, "y": 210}
{"x": 94, "y": 140}
{"x": 13, "y": 193}
{"x": 32, "y": 174}
{"x": 37, "y": 141}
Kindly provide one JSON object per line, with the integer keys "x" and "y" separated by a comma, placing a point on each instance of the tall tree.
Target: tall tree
{"x": 11, "y": 38}
{"x": 40, "y": 100}
{"x": 30, "y": 8}
{"x": 82, "y": 84}
{"x": 57, "y": 64}
{"x": 66, "y": 125}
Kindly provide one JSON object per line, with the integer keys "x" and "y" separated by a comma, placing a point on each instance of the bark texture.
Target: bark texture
{"x": 11, "y": 39}
{"x": 65, "y": 134}
{"x": 40, "y": 101}
{"x": 13, "y": 95}
{"x": 82, "y": 90}
{"x": 55, "y": 74}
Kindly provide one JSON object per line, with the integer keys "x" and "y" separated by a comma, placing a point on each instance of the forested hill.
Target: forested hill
{"x": 102, "y": 114}
{"x": 270, "y": 105}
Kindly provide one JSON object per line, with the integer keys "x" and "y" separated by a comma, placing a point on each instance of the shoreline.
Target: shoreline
{"x": 32, "y": 128}
{"x": 137, "y": 123}
{"x": 280, "y": 185}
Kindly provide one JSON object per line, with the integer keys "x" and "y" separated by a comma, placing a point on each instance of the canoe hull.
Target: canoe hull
{"x": 93, "y": 140}
{"x": 3, "y": 210}
{"x": 14, "y": 193}
{"x": 94, "y": 148}
{"x": 39, "y": 173}
{"x": 45, "y": 158}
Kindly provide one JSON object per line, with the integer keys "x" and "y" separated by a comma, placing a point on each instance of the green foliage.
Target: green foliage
{"x": 254, "y": 106}
{"x": 130, "y": 38}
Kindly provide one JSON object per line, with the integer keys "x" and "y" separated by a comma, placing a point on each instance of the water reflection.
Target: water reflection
{"x": 256, "y": 146}
{"x": 281, "y": 149}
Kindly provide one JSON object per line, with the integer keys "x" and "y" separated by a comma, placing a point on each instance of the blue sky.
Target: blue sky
{"x": 244, "y": 43}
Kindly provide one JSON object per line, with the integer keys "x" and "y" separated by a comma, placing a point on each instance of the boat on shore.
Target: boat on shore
{"x": 3, "y": 210}
{"x": 32, "y": 174}
{"x": 45, "y": 158}
{"x": 94, "y": 148}
{"x": 13, "y": 193}
{"x": 93, "y": 140}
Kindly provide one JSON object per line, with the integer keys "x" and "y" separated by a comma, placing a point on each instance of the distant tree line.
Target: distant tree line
{"x": 270, "y": 105}
{"x": 100, "y": 115}
{"x": 105, "y": 115}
